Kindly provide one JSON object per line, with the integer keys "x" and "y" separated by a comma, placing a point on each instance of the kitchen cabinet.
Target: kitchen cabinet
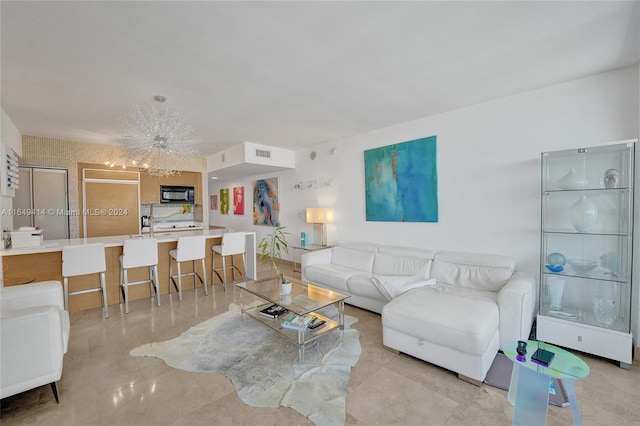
{"x": 110, "y": 202}
{"x": 149, "y": 189}
{"x": 586, "y": 250}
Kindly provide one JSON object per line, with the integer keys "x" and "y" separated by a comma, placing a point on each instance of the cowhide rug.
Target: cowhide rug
{"x": 264, "y": 366}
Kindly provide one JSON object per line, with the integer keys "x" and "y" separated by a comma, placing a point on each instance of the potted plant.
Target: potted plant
{"x": 272, "y": 246}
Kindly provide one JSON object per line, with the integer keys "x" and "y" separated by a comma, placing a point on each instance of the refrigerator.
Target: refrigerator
{"x": 42, "y": 200}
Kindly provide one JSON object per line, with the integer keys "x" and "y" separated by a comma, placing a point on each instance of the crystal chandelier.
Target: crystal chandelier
{"x": 154, "y": 136}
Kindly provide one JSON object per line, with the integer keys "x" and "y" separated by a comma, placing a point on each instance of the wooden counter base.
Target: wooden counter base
{"x": 25, "y": 268}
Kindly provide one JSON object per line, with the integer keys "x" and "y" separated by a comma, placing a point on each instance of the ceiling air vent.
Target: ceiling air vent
{"x": 263, "y": 153}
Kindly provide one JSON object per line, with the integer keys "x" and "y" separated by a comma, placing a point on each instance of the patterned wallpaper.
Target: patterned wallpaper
{"x": 50, "y": 152}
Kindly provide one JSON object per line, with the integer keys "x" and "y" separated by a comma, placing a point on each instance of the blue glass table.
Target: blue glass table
{"x": 529, "y": 386}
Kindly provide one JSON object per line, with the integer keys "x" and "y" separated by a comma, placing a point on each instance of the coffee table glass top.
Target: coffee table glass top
{"x": 564, "y": 365}
{"x": 304, "y": 297}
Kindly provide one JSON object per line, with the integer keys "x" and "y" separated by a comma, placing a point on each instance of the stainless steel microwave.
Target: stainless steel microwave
{"x": 177, "y": 194}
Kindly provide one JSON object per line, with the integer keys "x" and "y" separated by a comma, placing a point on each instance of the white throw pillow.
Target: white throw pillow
{"x": 392, "y": 286}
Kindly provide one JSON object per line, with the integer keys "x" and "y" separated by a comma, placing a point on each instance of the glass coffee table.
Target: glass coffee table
{"x": 305, "y": 298}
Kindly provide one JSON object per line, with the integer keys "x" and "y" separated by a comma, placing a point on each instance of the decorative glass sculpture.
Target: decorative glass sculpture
{"x": 611, "y": 177}
{"x": 606, "y": 306}
{"x": 584, "y": 214}
{"x": 556, "y": 259}
{"x": 556, "y": 288}
{"x": 572, "y": 181}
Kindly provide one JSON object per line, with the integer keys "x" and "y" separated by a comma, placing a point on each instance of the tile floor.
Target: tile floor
{"x": 103, "y": 385}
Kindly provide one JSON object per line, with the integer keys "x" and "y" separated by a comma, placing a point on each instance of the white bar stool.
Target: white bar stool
{"x": 137, "y": 253}
{"x": 233, "y": 243}
{"x": 189, "y": 248}
{"x": 83, "y": 260}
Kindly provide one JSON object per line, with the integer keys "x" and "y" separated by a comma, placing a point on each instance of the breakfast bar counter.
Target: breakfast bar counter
{"x": 43, "y": 263}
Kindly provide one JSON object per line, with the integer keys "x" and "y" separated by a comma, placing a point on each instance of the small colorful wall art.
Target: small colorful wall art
{"x": 238, "y": 200}
{"x": 266, "y": 210}
{"x": 214, "y": 202}
{"x": 401, "y": 182}
{"x": 224, "y": 201}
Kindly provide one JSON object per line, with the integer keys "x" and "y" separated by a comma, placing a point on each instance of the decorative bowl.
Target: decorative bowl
{"x": 555, "y": 268}
{"x": 582, "y": 266}
{"x": 556, "y": 259}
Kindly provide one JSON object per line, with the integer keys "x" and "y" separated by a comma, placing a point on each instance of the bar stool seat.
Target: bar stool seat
{"x": 84, "y": 260}
{"x": 189, "y": 248}
{"x": 233, "y": 243}
{"x": 138, "y": 253}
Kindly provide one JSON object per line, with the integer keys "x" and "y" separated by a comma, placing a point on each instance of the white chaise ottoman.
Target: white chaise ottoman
{"x": 445, "y": 326}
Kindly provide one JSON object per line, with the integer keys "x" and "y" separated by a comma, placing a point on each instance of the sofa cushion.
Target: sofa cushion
{"x": 328, "y": 275}
{"x": 357, "y": 245}
{"x": 481, "y": 271}
{"x": 392, "y": 286}
{"x": 392, "y": 264}
{"x": 462, "y": 323}
{"x": 361, "y": 260}
{"x": 362, "y": 286}
{"x": 407, "y": 251}
{"x": 471, "y": 293}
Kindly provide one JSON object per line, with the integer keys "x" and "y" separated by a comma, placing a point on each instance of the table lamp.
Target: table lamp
{"x": 320, "y": 216}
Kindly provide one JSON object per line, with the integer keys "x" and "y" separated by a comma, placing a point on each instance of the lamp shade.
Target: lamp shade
{"x": 320, "y": 215}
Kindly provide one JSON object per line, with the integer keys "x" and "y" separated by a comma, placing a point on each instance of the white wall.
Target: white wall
{"x": 488, "y": 169}
{"x": 9, "y": 135}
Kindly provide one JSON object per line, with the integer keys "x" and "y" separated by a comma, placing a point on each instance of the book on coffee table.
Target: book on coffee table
{"x": 296, "y": 322}
{"x": 273, "y": 311}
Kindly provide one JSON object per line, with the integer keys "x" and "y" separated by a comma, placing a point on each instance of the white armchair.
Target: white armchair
{"x": 34, "y": 334}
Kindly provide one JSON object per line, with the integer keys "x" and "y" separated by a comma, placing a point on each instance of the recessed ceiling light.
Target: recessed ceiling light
{"x": 214, "y": 177}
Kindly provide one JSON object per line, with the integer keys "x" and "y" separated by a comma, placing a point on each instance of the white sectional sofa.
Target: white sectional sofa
{"x": 449, "y": 308}
{"x": 34, "y": 333}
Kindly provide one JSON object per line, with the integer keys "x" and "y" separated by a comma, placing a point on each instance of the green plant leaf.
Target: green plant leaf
{"x": 272, "y": 246}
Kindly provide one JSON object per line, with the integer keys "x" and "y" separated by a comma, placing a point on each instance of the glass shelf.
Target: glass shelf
{"x": 593, "y": 275}
{"x": 565, "y": 232}
{"x": 581, "y": 316}
{"x": 617, "y": 189}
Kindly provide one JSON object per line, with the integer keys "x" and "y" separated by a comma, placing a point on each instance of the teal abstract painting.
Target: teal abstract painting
{"x": 402, "y": 182}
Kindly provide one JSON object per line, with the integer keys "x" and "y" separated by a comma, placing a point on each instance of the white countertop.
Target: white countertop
{"x": 173, "y": 226}
{"x": 114, "y": 241}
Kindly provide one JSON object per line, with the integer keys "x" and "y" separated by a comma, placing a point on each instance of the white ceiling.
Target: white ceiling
{"x": 292, "y": 74}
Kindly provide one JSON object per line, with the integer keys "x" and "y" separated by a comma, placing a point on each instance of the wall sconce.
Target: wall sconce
{"x": 320, "y": 216}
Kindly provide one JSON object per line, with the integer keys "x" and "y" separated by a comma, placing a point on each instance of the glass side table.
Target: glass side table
{"x": 297, "y": 265}
{"x": 529, "y": 386}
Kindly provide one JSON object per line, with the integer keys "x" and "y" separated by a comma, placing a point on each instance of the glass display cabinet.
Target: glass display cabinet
{"x": 586, "y": 250}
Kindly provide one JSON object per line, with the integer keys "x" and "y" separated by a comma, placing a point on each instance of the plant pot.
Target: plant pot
{"x": 285, "y": 288}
